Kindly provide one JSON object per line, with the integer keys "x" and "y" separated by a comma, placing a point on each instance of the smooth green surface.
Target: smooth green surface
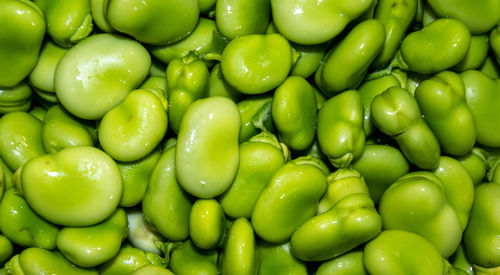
{"x": 22, "y": 34}
{"x": 350, "y": 263}
{"x": 441, "y": 100}
{"x": 240, "y": 251}
{"x": 316, "y": 21}
{"x": 481, "y": 96}
{"x": 207, "y": 223}
{"x": 93, "y": 245}
{"x": 77, "y": 186}
{"x": 146, "y": 20}
{"x": 237, "y": 18}
{"x": 340, "y": 128}
{"x": 135, "y": 178}
{"x": 34, "y": 260}
{"x": 133, "y": 128}
{"x": 287, "y": 201}
{"x": 418, "y": 202}
{"x": 187, "y": 80}
{"x": 401, "y": 252}
{"x": 260, "y": 157}
{"x": 479, "y": 16}
{"x": 396, "y": 113}
{"x": 344, "y": 66}
{"x": 380, "y": 166}
{"x": 258, "y": 63}
{"x": 480, "y": 236}
{"x": 98, "y": 73}
{"x": 207, "y": 153}
{"x": 294, "y": 113}
{"x": 166, "y": 206}
{"x": 278, "y": 259}
{"x": 22, "y": 225}
{"x": 436, "y": 47}
{"x": 20, "y": 144}
{"x": 350, "y": 222}
{"x": 61, "y": 130}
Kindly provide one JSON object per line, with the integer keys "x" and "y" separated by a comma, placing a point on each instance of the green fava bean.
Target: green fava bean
{"x": 135, "y": 177}
{"x": 395, "y": 252}
{"x": 239, "y": 256}
{"x": 6, "y": 249}
{"x": 476, "y": 55}
{"x": 436, "y": 47}
{"x": 22, "y": 226}
{"x": 35, "y": 260}
{"x": 189, "y": 259}
{"x": 67, "y": 22}
{"x": 152, "y": 269}
{"x": 260, "y": 157}
{"x": 217, "y": 86}
{"x": 140, "y": 234}
{"x": 93, "y": 245}
{"x": 255, "y": 113}
{"x": 205, "y": 39}
{"x": 475, "y": 164}
{"x": 61, "y": 130}
{"x": 479, "y": 17}
{"x": 42, "y": 76}
{"x": 294, "y": 113}
{"x": 98, "y": 73}
{"x": 482, "y": 99}
{"x": 380, "y": 165}
{"x": 442, "y": 102}
{"x": 208, "y": 144}
{"x": 77, "y": 186}
{"x": 345, "y": 66}
{"x": 237, "y": 18}
{"x": 134, "y": 127}
{"x": 315, "y": 22}
{"x": 2, "y": 181}
{"x": 340, "y": 128}
{"x": 309, "y": 59}
{"x": 7, "y": 175}
{"x": 367, "y": 91}
{"x": 187, "y": 81}
{"x": 490, "y": 67}
{"x": 397, "y": 16}
{"x": 458, "y": 186}
{"x": 278, "y": 259}
{"x": 350, "y": 222}
{"x": 166, "y": 206}
{"x": 242, "y": 62}
{"x": 342, "y": 183}
{"x": 20, "y": 144}
{"x": 146, "y": 20}
{"x": 21, "y": 35}
{"x": 15, "y": 99}
{"x": 350, "y": 263}
{"x": 401, "y": 208}
{"x": 483, "y": 229}
{"x": 207, "y": 223}
{"x": 286, "y": 202}
{"x": 128, "y": 260}
{"x": 395, "y": 112}
{"x": 495, "y": 41}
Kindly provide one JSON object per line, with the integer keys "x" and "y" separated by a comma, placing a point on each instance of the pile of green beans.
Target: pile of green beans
{"x": 248, "y": 137}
